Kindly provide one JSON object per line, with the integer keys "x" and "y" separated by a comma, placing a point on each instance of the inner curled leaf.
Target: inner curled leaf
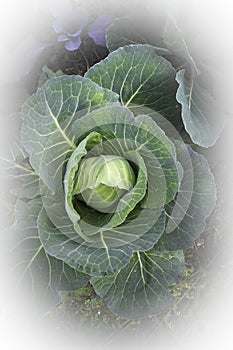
{"x": 103, "y": 180}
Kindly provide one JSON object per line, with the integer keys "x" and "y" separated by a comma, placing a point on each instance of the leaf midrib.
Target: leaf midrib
{"x": 68, "y": 141}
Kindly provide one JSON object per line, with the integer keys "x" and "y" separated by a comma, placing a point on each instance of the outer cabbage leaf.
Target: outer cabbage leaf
{"x": 24, "y": 180}
{"x": 141, "y": 288}
{"x": 46, "y": 275}
{"x": 88, "y": 258}
{"x": 47, "y": 119}
{"x": 139, "y": 76}
{"x": 200, "y": 111}
{"x": 199, "y": 191}
{"x": 175, "y": 42}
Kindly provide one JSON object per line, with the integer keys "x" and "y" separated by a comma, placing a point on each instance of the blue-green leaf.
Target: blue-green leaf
{"x": 194, "y": 203}
{"x": 139, "y": 76}
{"x": 200, "y": 111}
{"x": 43, "y": 273}
{"x": 141, "y": 288}
{"x": 89, "y": 258}
{"x": 47, "y": 119}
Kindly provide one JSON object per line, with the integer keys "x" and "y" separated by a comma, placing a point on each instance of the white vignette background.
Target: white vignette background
{"x": 210, "y": 28}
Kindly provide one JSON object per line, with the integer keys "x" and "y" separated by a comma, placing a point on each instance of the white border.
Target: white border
{"x": 210, "y": 27}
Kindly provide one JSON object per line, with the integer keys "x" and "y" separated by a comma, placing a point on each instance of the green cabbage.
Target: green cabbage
{"x": 114, "y": 195}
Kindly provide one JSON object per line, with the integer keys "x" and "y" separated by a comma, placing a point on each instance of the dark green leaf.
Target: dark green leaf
{"x": 47, "y": 119}
{"x": 46, "y": 275}
{"x": 86, "y": 258}
{"x": 93, "y": 259}
{"x": 141, "y": 288}
{"x": 139, "y": 76}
